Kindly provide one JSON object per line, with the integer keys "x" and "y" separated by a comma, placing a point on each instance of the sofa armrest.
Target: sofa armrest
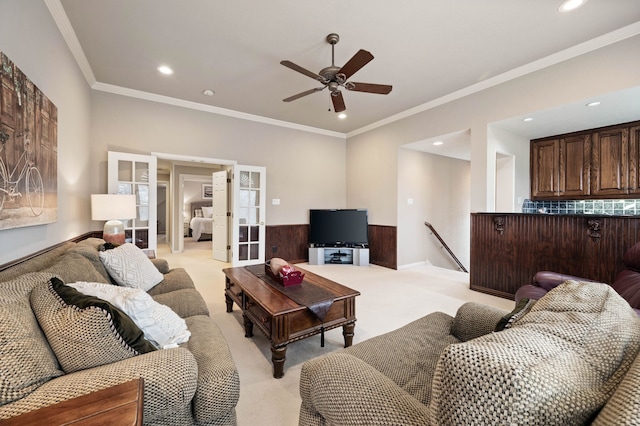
{"x": 170, "y": 380}
{"x": 474, "y": 320}
{"x": 161, "y": 264}
{"x": 550, "y": 280}
{"x": 343, "y": 389}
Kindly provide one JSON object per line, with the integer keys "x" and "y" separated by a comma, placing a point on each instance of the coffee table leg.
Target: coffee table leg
{"x": 347, "y": 332}
{"x": 248, "y": 326}
{"x": 229, "y": 302}
{"x": 278, "y": 356}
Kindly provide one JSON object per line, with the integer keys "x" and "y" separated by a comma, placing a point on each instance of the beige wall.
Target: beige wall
{"x": 304, "y": 170}
{"x": 433, "y": 189}
{"x": 30, "y": 38}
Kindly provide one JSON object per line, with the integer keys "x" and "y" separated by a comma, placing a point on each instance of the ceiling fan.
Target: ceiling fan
{"x": 335, "y": 77}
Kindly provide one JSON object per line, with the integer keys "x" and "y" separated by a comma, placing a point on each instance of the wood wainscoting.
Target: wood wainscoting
{"x": 291, "y": 243}
{"x": 508, "y": 249}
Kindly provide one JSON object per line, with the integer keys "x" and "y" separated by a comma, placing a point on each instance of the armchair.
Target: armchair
{"x": 626, "y": 284}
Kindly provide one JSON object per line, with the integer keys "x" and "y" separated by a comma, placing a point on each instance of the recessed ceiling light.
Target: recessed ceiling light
{"x": 594, "y": 103}
{"x": 438, "y": 143}
{"x": 208, "y": 92}
{"x": 569, "y": 5}
{"x": 342, "y": 116}
{"x": 528, "y": 119}
{"x": 165, "y": 70}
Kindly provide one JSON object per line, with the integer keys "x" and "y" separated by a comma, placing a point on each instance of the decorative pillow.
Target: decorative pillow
{"x": 198, "y": 213}
{"x": 521, "y": 309}
{"x": 130, "y": 267}
{"x": 160, "y": 325}
{"x": 85, "y": 331}
{"x": 26, "y": 359}
{"x": 207, "y": 211}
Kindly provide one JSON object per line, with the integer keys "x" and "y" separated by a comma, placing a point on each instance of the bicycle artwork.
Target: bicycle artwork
{"x": 24, "y": 170}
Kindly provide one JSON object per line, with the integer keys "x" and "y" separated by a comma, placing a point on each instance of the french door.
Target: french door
{"x": 220, "y": 216}
{"x": 136, "y": 174}
{"x": 249, "y": 209}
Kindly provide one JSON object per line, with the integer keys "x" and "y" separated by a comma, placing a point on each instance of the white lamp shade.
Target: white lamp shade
{"x": 113, "y": 206}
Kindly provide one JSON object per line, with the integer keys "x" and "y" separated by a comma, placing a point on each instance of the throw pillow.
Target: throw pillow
{"x": 521, "y": 309}
{"x": 198, "y": 213}
{"x": 84, "y": 331}
{"x": 130, "y": 267}
{"x": 160, "y": 325}
{"x": 207, "y": 211}
{"x": 25, "y": 356}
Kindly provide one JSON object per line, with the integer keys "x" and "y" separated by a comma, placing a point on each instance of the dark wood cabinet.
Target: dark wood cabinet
{"x": 610, "y": 162}
{"x": 634, "y": 160}
{"x": 575, "y": 153}
{"x": 545, "y": 163}
{"x": 596, "y": 163}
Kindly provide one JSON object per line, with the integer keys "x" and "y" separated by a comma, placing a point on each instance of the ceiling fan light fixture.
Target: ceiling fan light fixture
{"x": 342, "y": 116}
{"x": 334, "y": 77}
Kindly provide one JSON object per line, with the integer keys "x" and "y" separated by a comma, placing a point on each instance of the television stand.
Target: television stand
{"x": 339, "y": 255}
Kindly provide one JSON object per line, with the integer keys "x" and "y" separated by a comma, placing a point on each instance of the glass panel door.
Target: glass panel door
{"x": 136, "y": 174}
{"x": 248, "y": 215}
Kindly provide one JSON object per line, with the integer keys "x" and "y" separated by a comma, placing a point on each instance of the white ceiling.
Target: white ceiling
{"x": 426, "y": 49}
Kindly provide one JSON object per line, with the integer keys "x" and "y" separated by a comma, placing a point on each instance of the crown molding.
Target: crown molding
{"x": 62, "y": 21}
{"x": 132, "y": 93}
{"x": 556, "y": 58}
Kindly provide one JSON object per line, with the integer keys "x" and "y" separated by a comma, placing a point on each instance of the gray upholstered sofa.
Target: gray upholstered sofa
{"x": 195, "y": 383}
{"x": 569, "y": 358}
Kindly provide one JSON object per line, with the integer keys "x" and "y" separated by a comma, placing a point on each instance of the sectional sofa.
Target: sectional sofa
{"x": 54, "y": 348}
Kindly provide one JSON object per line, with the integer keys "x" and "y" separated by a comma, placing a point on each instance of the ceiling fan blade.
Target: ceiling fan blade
{"x": 301, "y": 70}
{"x": 305, "y": 93}
{"x": 357, "y": 61}
{"x": 381, "y": 89}
{"x": 338, "y": 101}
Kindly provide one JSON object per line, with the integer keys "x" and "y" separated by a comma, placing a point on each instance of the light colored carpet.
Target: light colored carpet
{"x": 389, "y": 299}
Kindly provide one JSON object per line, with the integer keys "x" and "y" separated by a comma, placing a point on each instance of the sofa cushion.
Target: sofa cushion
{"x": 160, "y": 325}
{"x": 186, "y": 302}
{"x": 25, "y": 356}
{"x": 175, "y": 279}
{"x": 90, "y": 248}
{"x": 410, "y": 353}
{"x": 130, "y": 267}
{"x": 84, "y": 331}
{"x": 218, "y": 381}
{"x": 558, "y": 364}
{"x": 73, "y": 266}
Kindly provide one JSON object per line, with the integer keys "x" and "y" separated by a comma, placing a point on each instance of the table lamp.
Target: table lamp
{"x": 113, "y": 208}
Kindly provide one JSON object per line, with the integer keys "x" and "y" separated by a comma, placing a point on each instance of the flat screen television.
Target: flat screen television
{"x": 338, "y": 228}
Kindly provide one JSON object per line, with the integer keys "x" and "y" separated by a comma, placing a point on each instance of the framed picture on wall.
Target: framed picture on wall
{"x": 207, "y": 191}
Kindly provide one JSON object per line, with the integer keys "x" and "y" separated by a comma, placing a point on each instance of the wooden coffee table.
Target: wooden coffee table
{"x": 281, "y": 319}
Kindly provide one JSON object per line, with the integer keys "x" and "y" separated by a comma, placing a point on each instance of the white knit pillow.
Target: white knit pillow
{"x": 130, "y": 267}
{"x": 160, "y": 325}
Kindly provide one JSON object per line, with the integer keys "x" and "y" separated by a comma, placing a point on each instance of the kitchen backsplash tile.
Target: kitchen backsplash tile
{"x": 602, "y": 207}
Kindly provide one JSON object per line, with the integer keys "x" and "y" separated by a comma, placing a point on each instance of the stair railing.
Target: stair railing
{"x": 446, "y": 247}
